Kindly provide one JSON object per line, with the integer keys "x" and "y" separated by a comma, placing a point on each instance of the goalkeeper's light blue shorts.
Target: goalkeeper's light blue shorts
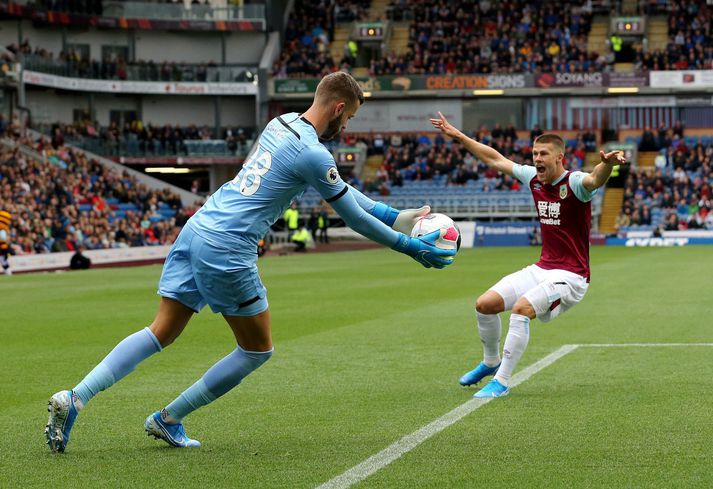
{"x": 197, "y": 273}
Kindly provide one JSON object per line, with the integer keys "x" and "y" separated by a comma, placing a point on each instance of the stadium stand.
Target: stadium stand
{"x": 669, "y": 189}
{"x": 136, "y": 139}
{"x": 497, "y": 37}
{"x": 672, "y": 192}
{"x": 407, "y": 157}
{"x": 413, "y": 169}
{"x": 65, "y": 200}
{"x": 689, "y": 34}
{"x": 308, "y": 34}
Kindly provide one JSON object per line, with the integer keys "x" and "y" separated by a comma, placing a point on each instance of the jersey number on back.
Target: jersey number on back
{"x": 249, "y": 178}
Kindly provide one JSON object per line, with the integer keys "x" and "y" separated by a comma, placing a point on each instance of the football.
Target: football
{"x": 450, "y": 234}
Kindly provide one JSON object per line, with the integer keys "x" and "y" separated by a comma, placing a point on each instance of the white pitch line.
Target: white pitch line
{"x": 622, "y": 345}
{"x": 391, "y": 453}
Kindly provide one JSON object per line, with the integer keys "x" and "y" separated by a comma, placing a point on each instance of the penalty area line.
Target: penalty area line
{"x": 394, "y": 451}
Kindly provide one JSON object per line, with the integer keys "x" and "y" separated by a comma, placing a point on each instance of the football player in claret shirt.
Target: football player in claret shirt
{"x": 214, "y": 260}
{"x": 559, "y": 280}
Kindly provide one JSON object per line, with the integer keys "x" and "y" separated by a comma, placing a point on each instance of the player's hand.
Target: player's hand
{"x": 445, "y": 127}
{"x": 615, "y": 157}
{"x": 407, "y": 218}
{"x": 424, "y": 251}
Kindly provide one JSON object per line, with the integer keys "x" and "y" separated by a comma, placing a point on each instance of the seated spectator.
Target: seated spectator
{"x": 648, "y": 141}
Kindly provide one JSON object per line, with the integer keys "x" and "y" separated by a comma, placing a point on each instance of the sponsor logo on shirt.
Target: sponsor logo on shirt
{"x": 549, "y": 212}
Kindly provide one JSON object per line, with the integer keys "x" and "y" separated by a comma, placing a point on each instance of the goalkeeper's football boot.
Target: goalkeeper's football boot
{"x": 493, "y": 389}
{"x": 173, "y": 434}
{"x": 478, "y": 373}
{"x": 63, "y": 413}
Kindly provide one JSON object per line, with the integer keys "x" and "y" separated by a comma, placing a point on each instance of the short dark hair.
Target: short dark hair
{"x": 339, "y": 86}
{"x": 552, "y": 139}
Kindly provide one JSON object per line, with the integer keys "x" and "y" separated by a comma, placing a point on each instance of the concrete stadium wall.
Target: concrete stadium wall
{"x": 96, "y": 39}
{"x": 199, "y": 110}
{"x": 244, "y": 47}
{"x": 47, "y": 106}
{"x": 183, "y": 47}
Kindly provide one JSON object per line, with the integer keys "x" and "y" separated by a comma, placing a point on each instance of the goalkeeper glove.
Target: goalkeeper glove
{"x": 424, "y": 251}
{"x": 401, "y": 221}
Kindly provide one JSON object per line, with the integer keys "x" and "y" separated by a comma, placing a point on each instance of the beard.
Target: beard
{"x": 333, "y": 129}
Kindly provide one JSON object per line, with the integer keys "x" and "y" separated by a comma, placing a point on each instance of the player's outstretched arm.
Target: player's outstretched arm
{"x": 600, "y": 174}
{"x": 484, "y": 153}
{"x": 402, "y": 221}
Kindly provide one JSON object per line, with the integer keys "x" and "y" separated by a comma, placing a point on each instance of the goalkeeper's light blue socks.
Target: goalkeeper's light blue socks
{"x": 218, "y": 380}
{"x": 134, "y": 349}
{"x": 515, "y": 343}
{"x": 120, "y": 362}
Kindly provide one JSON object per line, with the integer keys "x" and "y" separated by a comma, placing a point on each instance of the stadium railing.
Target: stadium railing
{"x": 186, "y": 147}
{"x": 182, "y": 72}
{"x": 143, "y": 10}
{"x": 461, "y": 202}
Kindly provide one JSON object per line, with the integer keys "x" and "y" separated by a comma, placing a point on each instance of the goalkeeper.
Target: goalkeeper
{"x": 214, "y": 260}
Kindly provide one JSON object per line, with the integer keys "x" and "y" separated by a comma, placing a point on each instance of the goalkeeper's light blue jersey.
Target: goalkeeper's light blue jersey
{"x": 288, "y": 158}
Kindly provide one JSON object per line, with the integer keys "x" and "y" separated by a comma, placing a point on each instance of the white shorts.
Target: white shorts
{"x": 551, "y": 292}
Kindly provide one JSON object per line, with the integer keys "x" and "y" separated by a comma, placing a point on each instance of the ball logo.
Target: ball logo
{"x": 332, "y": 175}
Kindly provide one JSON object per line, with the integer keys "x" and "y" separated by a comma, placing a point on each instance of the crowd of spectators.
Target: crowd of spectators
{"x": 135, "y": 137}
{"x": 663, "y": 137}
{"x": 689, "y": 47}
{"x": 66, "y": 201}
{"x": 516, "y": 36}
{"x": 454, "y": 37}
{"x": 308, "y": 34}
{"x": 409, "y": 157}
{"x": 678, "y": 190}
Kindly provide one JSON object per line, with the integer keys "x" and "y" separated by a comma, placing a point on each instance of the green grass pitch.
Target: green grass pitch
{"x": 368, "y": 349}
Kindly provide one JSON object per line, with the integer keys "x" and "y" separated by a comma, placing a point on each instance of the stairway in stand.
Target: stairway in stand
{"x": 597, "y": 38}
{"x": 373, "y": 163}
{"x": 657, "y": 32}
{"x": 377, "y": 9}
{"x": 341, "y": 36}
{"x": 399, "y": 39}
{"x": 611, "y": 208}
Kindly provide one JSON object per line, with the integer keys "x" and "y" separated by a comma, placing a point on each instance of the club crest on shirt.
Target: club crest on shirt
{"x": 332, "y": 175}
{"x": 563, "y": 191}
